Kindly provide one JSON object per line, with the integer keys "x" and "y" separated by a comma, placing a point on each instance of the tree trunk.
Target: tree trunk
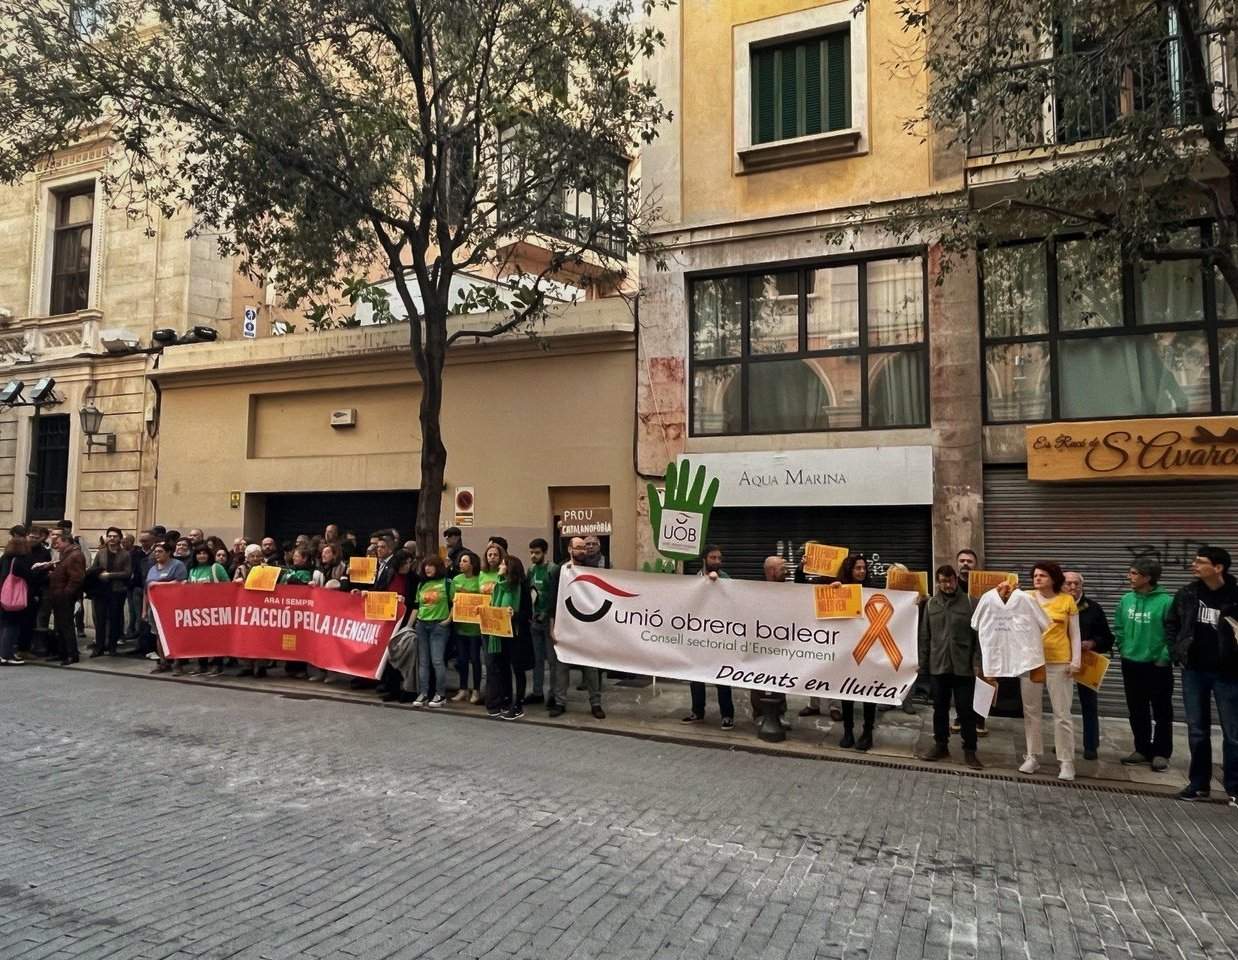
{"x": 433, "y": 452}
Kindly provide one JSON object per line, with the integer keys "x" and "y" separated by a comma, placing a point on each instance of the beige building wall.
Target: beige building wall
{"x": 521, "y": 419}
{"x": 143, "y": 276}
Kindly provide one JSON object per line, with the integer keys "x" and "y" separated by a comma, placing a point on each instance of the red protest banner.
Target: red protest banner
{"x": 326, "y": 628}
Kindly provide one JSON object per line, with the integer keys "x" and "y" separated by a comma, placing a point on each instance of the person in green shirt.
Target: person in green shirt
{"x": 509, "y": 657}
{"x": 1147, "y": 671}
{"x": 541, "y": 573}
{"x": 468, "y": 635}
{"x": 432, "y": 629}
{"x": 203, "y": 569}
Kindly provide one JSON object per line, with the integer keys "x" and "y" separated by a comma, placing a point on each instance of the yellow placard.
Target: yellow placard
{"x": 362, "y": 569}
{"x": 262, "y": 578}
{"x": 837, "y": 601}
{"x": 980, "y": 582}
{"x": 288, "y": 642}
{"x": 381, "y": 605}
{"x": 1093, "y": 666}
{"x": 495, "y": 621}
{"x": 466, "y": 607}
{"x": 916, "y": 580}
{"x": 823, "y": 561}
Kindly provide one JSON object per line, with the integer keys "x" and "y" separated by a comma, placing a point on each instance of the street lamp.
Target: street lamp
{"x": 91, "y": 420}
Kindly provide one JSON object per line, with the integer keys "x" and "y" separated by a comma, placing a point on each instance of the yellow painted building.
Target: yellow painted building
{"x": 789, "y": 347}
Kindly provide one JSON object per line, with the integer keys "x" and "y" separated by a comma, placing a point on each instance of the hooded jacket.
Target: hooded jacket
{"x": 1139, "y": 625}
{"x": 1184, "y": 612}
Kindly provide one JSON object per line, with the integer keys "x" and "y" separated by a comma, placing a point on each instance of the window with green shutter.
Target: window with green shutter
{"x": 801, "y": 88}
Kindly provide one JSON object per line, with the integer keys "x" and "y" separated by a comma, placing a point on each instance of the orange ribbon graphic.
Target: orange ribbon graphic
{"x": 879, "y": 611}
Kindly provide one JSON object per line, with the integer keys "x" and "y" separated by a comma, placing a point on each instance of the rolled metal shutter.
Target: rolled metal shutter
{"x": 1098, "y": 528}
{"x": 747, "y": 535}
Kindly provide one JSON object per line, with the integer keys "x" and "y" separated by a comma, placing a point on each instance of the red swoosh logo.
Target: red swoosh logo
{"x": 602, "y": 585}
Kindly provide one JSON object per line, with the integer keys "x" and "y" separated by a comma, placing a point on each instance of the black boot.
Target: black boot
{"x": 866, "y": 739}
{"x": 848, "y": 740}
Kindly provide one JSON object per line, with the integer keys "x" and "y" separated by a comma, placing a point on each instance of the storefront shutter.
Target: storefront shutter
{"x": 885, "y": 535}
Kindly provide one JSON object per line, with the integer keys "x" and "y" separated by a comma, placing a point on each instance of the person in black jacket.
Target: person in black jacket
{"x": 39, "y": 554}
{"x": 1097, "y": 637}
{"x": 1199, "y": 626}
{"x": 17, "y": 564}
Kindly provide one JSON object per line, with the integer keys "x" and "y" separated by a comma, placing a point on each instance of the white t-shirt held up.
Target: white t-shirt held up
{"x": 1010, "y": 633}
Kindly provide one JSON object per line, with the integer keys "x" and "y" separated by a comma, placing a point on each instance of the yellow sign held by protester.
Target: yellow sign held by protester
{"x": 495, "y": 621}
{"x": 1093, "y": 666}
{"x": 980, "y": 582}
{"x": 821, "y": 560}
{"x": 466, "y": 607}
{"x": 916, "y": 580}
{"x": 837, "y": 601}
{"x": 382, "y": 605}
{"x": 262, "y": 578}
{"x": 362, "y": 569}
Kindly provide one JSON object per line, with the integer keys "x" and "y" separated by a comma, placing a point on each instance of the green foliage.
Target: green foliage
{"x": 322, "y": 138}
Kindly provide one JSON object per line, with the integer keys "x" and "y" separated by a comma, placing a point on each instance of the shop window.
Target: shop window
{"x": 51, "y": 464}
{"x": 71, "y": 250}
{"x": 801, "y": 88}
{"x": 1073, "y": 331}
{"x": 838, "y": 346}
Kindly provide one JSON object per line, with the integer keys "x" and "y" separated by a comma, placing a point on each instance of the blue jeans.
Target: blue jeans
{"x": 431, "y": 645}
{"x": 1198, "y": 689}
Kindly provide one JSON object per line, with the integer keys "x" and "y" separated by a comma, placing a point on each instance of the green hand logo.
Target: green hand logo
{"x": 681, "y": 509}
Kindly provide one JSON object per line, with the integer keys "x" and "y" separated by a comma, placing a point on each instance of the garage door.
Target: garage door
{"x": 1098, "y": 529}
{"x": 747, "y": 535}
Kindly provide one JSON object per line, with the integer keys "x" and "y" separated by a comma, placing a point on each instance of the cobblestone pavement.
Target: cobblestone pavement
{"x": 165, "y": 820}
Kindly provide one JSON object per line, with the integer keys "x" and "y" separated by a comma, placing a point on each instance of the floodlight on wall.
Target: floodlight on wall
{"x": 11, "y": 393}
{"x": 43, "y": 392}
{"x": 91, "y": 420}
{"x": 164, "y": 336}
{"x": 199, "y": 334}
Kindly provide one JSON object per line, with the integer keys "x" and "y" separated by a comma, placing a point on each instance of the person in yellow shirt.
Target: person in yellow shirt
{"x": 1063, "y": 648}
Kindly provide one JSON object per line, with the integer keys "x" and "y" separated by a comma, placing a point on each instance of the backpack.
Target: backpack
{"x": 14, "y": 596}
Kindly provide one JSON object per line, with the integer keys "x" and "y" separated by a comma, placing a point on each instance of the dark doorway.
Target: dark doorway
{"x": 363, "y": 511}
{"x": 51, "y": 468}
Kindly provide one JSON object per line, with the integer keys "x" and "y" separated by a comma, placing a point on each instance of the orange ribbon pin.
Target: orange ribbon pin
{"x": 879, "y": 611}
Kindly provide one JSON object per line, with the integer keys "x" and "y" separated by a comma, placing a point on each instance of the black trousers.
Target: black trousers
{"x": 726, "y": 703}
{"x": 870, "y": 715}
{"x": 63, "y": 627}
{"x": 499, "y": 675}
{"x": 1150, "y": 702}
{"x": 963, "y": 690}
{"x": 109, "y": 620}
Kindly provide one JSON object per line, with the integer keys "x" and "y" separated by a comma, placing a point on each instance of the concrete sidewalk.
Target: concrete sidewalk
{"x": 655, "y": 712}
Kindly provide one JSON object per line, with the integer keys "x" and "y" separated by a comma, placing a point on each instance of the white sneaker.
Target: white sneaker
{"x": 1029, "y": 765}
{"x": 437, "y": 701}
{"x": 1067, "y": 771}
{"x": 12, "y": 662}
{"x": 421, "y": 701}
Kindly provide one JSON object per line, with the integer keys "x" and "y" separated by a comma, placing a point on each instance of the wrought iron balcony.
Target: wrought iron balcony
{"x": 1074, "y": 98}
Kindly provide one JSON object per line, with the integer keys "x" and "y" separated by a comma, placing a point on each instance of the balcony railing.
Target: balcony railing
{"x": 1085, "y": 96}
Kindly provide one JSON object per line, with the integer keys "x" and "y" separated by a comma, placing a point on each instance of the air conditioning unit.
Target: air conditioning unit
{"x": 344, "y": 418}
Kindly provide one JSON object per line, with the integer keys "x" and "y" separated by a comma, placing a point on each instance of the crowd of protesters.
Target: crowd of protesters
{"x": 1042, "y": 633}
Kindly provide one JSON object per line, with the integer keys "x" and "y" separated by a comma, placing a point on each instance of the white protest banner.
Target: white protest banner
{"x": 764, "y": 636}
